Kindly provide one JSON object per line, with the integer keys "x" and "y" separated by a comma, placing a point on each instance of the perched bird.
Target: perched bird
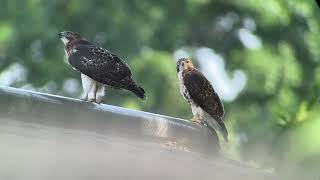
{"x": 98, "y": 67}
{"x": 199, "y": 93}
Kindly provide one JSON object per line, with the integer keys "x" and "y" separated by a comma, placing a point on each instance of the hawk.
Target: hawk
{"x": 199, "y": 93}
{"x": 98, "y": 67}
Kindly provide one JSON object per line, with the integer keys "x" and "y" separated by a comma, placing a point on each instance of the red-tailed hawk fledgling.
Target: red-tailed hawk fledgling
{"x": 199, "y": 93}
{"x": 98, "y": 67}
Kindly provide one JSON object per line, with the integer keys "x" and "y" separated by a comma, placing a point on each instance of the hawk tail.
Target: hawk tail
{"x": 137, "y": 90}
{"x": 223, "y": 129}
{"x": 219, "y": 125}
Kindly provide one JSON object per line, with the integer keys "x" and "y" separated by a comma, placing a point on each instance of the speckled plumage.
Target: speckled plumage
{"x": 99, "y": 65}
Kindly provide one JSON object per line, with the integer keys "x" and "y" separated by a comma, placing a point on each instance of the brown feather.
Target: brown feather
{"x": 202, "y": 93}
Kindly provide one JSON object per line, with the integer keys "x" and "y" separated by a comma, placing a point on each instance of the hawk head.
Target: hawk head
{"x": 67, "y": 36}
{"x": 183, "y": 64}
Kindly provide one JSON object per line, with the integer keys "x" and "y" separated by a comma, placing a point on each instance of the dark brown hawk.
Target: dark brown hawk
{"x": 98, "y": 67}
{"x": 199, "y": 93}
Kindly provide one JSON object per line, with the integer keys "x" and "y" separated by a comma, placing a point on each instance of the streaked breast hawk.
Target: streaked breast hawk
{"x": 199, "y": 93}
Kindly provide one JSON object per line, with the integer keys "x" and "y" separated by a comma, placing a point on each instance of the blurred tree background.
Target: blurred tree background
{"x": 274, "y": 118}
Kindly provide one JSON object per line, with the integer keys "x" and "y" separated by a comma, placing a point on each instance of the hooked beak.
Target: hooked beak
{"x": 61, "y": 35}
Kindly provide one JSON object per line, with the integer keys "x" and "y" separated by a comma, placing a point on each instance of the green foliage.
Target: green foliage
{"x": 276, "y": 115}
{"x": 158, "y": 70}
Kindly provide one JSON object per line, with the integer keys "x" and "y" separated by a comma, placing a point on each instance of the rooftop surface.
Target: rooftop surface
{"x": 52, "y": 137}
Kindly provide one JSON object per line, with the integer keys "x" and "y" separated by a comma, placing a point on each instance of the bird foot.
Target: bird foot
{"x": 100, "y": 102}
{"x": 196, "y": 120}
{"x": 83, "y": 99}
{"x": 92, "y": 100}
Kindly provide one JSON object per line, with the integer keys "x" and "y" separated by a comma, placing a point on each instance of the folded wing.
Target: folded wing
{"x": 100, "y": 65}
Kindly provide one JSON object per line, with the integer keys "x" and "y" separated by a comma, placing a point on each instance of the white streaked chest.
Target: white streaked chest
{"x": 183, "y": 90}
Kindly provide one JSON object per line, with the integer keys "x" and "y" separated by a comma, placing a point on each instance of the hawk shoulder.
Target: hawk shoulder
{"x": 99, "y": 64}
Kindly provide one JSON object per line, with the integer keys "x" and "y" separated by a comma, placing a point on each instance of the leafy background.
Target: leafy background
{"x": 266, "y": 53}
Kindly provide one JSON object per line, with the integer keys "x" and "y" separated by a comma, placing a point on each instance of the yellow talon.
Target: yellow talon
{"x": 196, "y": 120}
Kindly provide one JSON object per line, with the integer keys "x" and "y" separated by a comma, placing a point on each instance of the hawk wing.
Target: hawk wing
{"x": 99, "y": 64}
{"x": 203, "y": 94}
